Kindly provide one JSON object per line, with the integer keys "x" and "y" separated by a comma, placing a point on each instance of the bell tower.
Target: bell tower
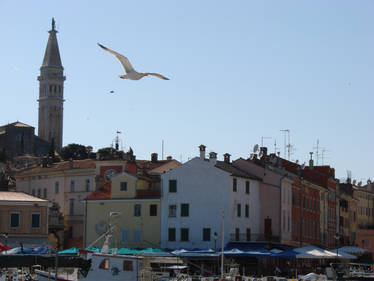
{"x": 51, "y": 93}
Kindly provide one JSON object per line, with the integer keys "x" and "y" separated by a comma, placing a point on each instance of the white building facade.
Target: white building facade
{"x": 197, "y": 193}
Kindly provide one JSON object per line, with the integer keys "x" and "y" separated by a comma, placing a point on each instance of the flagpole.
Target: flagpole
{"x": 222, "y": 243}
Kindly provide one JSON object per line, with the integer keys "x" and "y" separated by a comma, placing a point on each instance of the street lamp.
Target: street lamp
{"x": 215, "y": 235}
{"x": 337, "y": 237}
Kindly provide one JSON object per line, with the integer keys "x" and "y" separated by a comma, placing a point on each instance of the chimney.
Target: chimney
{"x": 263, "y": 151}
{"x": 169, "y": 158}
{"x": 154, "y": 157}
{"x": 311, "y": 160}
{"x": 213, "y": 158}
{"x": 226, "y": 157}
{"x": 202, "y": 151}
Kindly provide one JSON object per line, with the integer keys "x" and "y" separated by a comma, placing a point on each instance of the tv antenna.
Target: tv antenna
{"x": 117, "y": 140}
{"x": 262, "y": 140}
{"x": 287, "y": 146}
{"x": 317, "y": 147}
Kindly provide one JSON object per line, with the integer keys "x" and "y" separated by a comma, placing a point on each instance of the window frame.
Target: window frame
{"x": 173, "y": 187}
{"x": 234, "y": 185}
{"x": 10, "y": 220}
{"x": 139, "y": 210}
{"x": 128, "y": 265}
{"x": 170, "y": 215}
{"x": 185, "y": 234}
{"x": 154, "y": 213}
{"x": 247, "y": 187}
{"x": 57, "y": 187}
{"x": 40, "y": 220}
{"x": 207, "y": 235}
{"x": 123, "y": 186}
{"x": 185, "y": 212}
{"x": 173, "y": 231}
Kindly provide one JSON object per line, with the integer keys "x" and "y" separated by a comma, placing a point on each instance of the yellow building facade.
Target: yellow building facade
{"x": 135, "y": 207}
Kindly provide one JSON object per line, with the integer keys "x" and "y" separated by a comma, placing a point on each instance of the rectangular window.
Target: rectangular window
{"x": 248, "y": 234}
{"x": 239, "y": 210}
{"x": 234, "y": 185}
{"x": 57, "y": 187}
{"x": 127, "y": 266}
{"x": 35, "y": 220}
{"x": 137, "y": 236}
{"x": 172, "y": 186}
{"x": 137, "y": 210}
{"x": 247, "y": 187}
{"x": 87, "y": 184}
{"x": 237, "y": 234}
{"x": 72, "y": 186}
{"x": 14, "y": 220}
{"x": 123, "y": 186}
{"x": 184, "y": 234}
{"x": 71, "y": 207}
{"x": 124, "y": 236}
{"x": 33, "y": 192}
{"x": 172, "y": 211}
{"x": 44, "y": 193}
{"x": 185, "y": 210}
{"x": 153, "y": 210}
{"x": 246, "y": 210}
{"x": 39, "y": 192}
{"x": 172, "y": 235}
{"x": 206, "y": 234}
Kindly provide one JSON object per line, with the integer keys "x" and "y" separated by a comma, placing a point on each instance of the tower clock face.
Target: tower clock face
{"x": 108, "y": 174}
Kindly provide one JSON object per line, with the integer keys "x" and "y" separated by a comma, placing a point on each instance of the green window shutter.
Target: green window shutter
{"x": 172, "y": 234}
{"x": 172, "y": 186}
{"x": 185, "y": 210}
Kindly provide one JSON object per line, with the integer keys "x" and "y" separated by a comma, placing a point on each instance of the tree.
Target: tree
{"x": 74, "y": 151}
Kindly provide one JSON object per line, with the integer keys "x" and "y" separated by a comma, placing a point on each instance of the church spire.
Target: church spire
{"x": 52, "y": 54}
{"x": 51, "y": 93}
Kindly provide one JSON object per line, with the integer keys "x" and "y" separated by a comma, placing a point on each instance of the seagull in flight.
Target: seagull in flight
{"x": 131, "y": 73}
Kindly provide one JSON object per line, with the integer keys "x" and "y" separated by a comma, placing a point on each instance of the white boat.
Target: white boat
{"x": 104, "y": 267}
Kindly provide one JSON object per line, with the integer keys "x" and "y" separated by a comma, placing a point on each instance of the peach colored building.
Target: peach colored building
{"x": 24, "y": 219}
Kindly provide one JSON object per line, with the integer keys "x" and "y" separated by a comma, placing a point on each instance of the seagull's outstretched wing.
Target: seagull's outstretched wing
{"x": 156, "y": 75}
{"x": 123, "y": 60}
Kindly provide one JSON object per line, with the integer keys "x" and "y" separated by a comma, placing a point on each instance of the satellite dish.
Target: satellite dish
{"x": 256, "y": 148}
{"x": 101, "y": 227}
{"x": 302, "y": 166}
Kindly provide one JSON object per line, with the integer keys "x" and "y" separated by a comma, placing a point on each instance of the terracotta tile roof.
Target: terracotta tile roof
{"x": 19, "y": 196}
{"x": 18, "y": 124}
{"x": 228, "y": 167}
{"x": 149, "y": 165}
{"x": 62, "y": 166}
{"x": 99, "y": 194}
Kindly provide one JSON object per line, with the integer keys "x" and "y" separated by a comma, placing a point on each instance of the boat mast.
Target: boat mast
{"x": 222, "y": 243}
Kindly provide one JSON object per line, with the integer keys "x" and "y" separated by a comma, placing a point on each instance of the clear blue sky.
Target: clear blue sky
{"x": 239, "y": 70}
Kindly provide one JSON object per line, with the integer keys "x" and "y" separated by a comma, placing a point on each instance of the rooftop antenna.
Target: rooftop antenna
{"x": 162, "y": 145}
{"x": 323, "y": 154}
{"x": 287, "y": 147}
{"x": 262, "y": 140}
{"x": 117, "y": 140}
{"x": 317, "y": 151}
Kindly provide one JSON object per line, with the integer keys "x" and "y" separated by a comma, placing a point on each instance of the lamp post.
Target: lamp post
{"x": 337, "y": 237}
{"x": 215, "y": 235}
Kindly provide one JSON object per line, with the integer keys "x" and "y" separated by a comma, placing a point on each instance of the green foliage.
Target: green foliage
{"x": 74, "y": 151}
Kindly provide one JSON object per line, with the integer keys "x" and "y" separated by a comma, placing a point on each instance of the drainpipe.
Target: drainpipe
{"x": 280, "y": 205}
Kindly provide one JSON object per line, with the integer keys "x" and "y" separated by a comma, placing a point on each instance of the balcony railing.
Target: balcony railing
{"x": 253, "y": 237}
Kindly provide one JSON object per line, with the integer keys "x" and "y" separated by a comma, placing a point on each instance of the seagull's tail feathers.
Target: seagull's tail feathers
{"x": 157, "y": 75}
